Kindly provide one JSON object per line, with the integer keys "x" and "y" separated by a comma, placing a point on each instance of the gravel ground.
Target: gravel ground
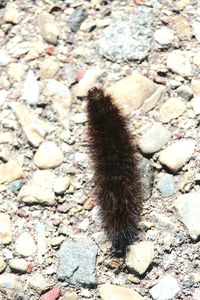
{"x": 145, "y": 53}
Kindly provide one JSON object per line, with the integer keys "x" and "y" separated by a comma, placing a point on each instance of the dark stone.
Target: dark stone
{"x": 76, "y": 18}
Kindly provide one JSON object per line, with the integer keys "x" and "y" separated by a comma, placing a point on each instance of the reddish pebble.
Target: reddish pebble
{"x": 50, "y": 50}
{"x": 159, "y": 79}
{"x": 89, "y": 203}
{"x": 63, "y": 207}
{"x": 138, "y": 2}
{"x": 80, "y": 73}
{"x": 22, "y": 213}
{"x": 51, "y": 295}
{"x": 30, "y": 268}
{"x": 56, "y": 222}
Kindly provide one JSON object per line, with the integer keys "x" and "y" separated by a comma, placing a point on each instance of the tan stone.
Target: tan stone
{"x": 5, "y": 229}
{"x": 113, "y": 292}
{"x": 172, "y": 109}
{"x": 195, "y": 84}
{"x": 10, "y": 171}
{"x": 131, "y": 92}
{"x": 183, "y": 28}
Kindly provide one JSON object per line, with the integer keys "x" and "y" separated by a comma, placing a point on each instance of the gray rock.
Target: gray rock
{"x": 15, "y": 186}
{"x": 76, "y": 18}
{"x": 166, "y": 289}
{"x": 128, "y": 39}
{"x": 188, "y": 208}
{"x": 77, "y": 263}
{"x": 154, "y": 139}
{"x": 185, "y": 92}
{"x": 148, "y": 176}
{"x": 166, "y": 185}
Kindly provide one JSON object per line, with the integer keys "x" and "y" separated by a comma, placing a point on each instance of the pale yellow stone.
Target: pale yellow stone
{"x": 113, "y": 292}
{"x": 10, "y": 171}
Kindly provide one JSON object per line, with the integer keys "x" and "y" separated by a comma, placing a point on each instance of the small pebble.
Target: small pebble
{"x": 2, "y": 264}
{"x": 166, "y": 185}
{"x": 53, "y": 294}
{"x": 5, "y": 229}
{"x": 61, "y": 184}
{"x": 178, "y": 61}
{"x": 25, "y": 244}
{"x": 48, "y": 155}
{"x": 113, "y": 292}
{"x": 31, "y": 88}
{"x": 18, "y": 265}
{"x": 164, "y": 36}
{"x": 166, "y": 289}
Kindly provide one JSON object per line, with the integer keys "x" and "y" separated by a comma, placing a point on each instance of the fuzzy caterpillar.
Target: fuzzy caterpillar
{"x": 117, "y": 177}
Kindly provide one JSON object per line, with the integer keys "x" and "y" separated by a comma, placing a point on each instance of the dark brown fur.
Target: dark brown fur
{"x": 116, "y": 174}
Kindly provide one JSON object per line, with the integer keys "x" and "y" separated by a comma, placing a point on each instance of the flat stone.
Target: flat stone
{"x": 76, "y": 18}
{"x": 166, "y": 185}
{"x": 19, "y": 265}
{"x": 196, "y": 30}
{"x": 188, "y": 208}
{"x": 154, "y": 139}
{"x": 166, "y": 289}
{"x": 4, "y": 58}
{"x": 39, "y": 189}
{"x": 49, "y": 67}
{"x": 70, "y": 296}
{"x": 131, "y": 92}
{"x": 195, "y": 103}
{"x": 5, "y": 229}
{"x": 196, "y": 59}
{"x": 10, "y": 171}
{"x": 53, "y": 294}
{"x": 177, "y": 154}
{"x": 25, "y": 244}
{"x": 178, "y": 61}
{"x": 140, "y": 256}
{"x": 3, "y": 264}
{"x": 31, "y": 88}
{"x": 11, "y": 13}
{"x": 183, "y": 28}
{"x": 164, "y": 36}
{"x": 151, "y": 102}
{"x": 114, "y": 292}
{"x": 118, "y": 47}
{"x": 171, "y": 109}
{"x": 195, "y": 84}
{"x": 38, "y": 283}
{"x": 88, "y": 81}
{"x": 48, "y": 155}
{"x": 48, "y": 27}
{"x": 61, "y": 184}
{"x": 16, "y": 71}
{"x": 34, "y": 128}
{"x": 61, "y": 96}
{"x": 77, "y": 263}
{"x": 9, "y": 281}
{"x": 148, "y": 176}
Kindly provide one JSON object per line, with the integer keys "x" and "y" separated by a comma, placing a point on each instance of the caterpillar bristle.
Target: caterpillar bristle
{"x": 117, "y": 177}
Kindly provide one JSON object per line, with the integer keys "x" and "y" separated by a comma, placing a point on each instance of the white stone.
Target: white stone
{"x": 195, "y": 103}
{"x": 154, "y": 138}
{"x": 188, "y": 208}
{"x": 166, "y": 289}
{"x": 164, "y": 36}
{"x": 48, "y": 155}
{"x": 39, "y": 189}
{"x": 25, "y": 244}
{"x": 177, "y": 154}
{"x": 172, "y": 109}
{"x": 31, "y": 88}
{"x": 61, "y": 184}
{"x": 88, "y": 81}
{"x": 18, "y": 265}
{"x": 4, "y": 58}
{"x": 38, "y": 282}
{"x": 140, "y": 256}
{"x": 178, "y": 61}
